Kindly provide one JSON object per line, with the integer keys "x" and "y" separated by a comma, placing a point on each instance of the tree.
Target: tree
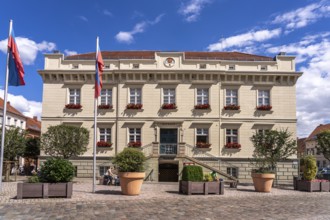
{"x": 65, "y": 141}
{"x": 323, "y": 143}
{"x": 272, "y": 147}
{"x": 14, "y": 143}
{"x": 32, "y": 149}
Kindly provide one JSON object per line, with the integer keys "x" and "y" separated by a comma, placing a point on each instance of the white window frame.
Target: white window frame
{"x": 171, "y": 97}
{"x": 204, "y": 96}
{"x": 204, "y": 132}
{"x": 73, "y": 92}
{"x": 135, "y": 93}
{"x": 107, "y": 96}
{"x": 135, "y": 134}
{"x": 232, "y": 135}
{"x": 263, "y": 96}
{"x": 231, "y": 96}
{"x": 105, "y": 134}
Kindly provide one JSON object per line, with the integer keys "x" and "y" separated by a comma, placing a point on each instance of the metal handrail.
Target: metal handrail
{"x": 149, "y": 176}
{"x": 168, "y": 148}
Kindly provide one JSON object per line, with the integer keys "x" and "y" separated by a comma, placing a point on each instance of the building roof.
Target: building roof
{"x": 10, "y": 108}
{"x": 33, "y": 124}
{"x": 318, "y": 130}
{"x": 237, "y": 56}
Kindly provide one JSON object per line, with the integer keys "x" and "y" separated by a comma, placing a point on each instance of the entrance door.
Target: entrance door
{"x": 168, "y": 172}
{"x": 168, "y": 141}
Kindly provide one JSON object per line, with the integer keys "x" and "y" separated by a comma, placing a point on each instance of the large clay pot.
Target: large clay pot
{"x": 263, "y": 181}
{"x": 131, "y": 182}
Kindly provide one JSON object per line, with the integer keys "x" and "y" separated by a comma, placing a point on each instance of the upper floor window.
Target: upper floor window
{"x": 202, "y": 135}
{"x": 135, "y": 135}
{"x": 106, "y": 96}
{"x": 135, "y": 96}
{"x": 231, "y": 67}
{"x": 231, "y": 135}
{"x": 22, "y": 124}
{"x": 74, "y": 96}
{"x": 263, "y": 131}
{"x": 136, "y": 66}
{"x": 202, "y": 66}
{"x": 105, "y": 134}
{"x": 263, "y": 68}
{"x": 202, "y": 96}
{"x": 231, "y": 97}
{"x": 263, "y": 97}
{"x": 168, "y": 96}
{"x": 8, "y": 120}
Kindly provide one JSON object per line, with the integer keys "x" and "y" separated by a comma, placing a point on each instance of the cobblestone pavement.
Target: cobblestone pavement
{"x": 162, "y": 201}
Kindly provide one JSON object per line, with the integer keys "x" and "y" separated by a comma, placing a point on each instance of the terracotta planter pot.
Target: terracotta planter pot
{"x": 263, "y": 181}
{"x": 131, "y": 182}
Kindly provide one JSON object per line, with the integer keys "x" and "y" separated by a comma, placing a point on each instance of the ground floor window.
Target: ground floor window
{"x": 233, "y": 171}
{"x": 103, "y": 170}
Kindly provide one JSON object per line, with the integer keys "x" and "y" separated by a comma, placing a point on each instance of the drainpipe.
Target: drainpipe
{"x": 117, "y": 115}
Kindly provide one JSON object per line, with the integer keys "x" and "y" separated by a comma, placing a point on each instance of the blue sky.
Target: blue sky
{"x": 261, "y": 27}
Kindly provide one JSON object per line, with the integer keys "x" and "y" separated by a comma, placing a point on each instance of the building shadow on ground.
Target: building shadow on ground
{"x": 108, "y": 192}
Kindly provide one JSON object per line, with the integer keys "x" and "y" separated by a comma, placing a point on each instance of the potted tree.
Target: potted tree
{"x": 271, "y": 147}
{"x": 130, "y": 164}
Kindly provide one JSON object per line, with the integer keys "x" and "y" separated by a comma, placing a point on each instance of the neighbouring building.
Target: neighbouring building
{"x": 14, "y": 117}
{"x": 33, "y": 126}
{"x": 311, "y": 143}
{"x": 177, "y": 107}
{"x": 301, "y": 147}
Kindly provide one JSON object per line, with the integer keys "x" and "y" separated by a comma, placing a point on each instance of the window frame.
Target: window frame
{"x": 263, "y": 97}
{"x": 203, "y": 134}
{"x": 107, "y": 134}
{"x": 107, "y": 96}
{"x": 135, "y": 95}
{"x": 203, "y": 96}
{"x": 74, "y": 95}
{"x": 169, "y": 96}
{"x": 231, "y": 96}
{"x": 232, "y": 135}
{"x": 135, "y": 134}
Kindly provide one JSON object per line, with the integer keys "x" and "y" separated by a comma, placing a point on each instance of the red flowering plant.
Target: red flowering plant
{"x": 233, "y": 145}
{"x": 232, "y": 107}
{"x": 103, "y": 106}
{"x": 264, "y": 107}
{"x": 134, "y": 144}
{"x": 73, "y": 106}
{"x": 202, "y": 106}
{"x": 169, "y": 106}
{"x": 103, "y": 144}
{"x": 203, "y": 145}
{"x": 134, "y": 106}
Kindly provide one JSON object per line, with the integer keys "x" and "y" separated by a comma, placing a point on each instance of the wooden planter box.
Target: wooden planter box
{"x": 44, "y": 190}
{"x": 303, "y": 185}
{"x": 188, "y": 187}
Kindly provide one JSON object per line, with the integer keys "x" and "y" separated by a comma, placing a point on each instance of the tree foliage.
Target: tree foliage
{"x": 323, "y": 143}
{"x": 32, "y": 148}
{"x": 272, "y": 147}
{"x": 130, "y": 160}
{"x": 309, "y": 167}
{"x": 14, "y": 143}
{"x": 65, "y": 141}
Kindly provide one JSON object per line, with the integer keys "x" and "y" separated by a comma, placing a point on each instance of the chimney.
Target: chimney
{"x": 35, "y": 118}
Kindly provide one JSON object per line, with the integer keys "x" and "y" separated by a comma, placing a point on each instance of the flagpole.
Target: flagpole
{"x": 95, "y": 122}
{"x": 4, "y": 115}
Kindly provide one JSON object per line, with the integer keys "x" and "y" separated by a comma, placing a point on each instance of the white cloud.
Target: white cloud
{"x": 27, "y": 107}
{"x": 304, "y": 16}
{"x": 70, "y": 52}
{"x": 107, "y": 12}
{"x": 313, "y": 88}
{"x": 128, "y": 36}
{"x": 28, "y": 48}
{"x": 192, "y": 9}
{"x": 83, "y": 18}
{"x": 244, "y": 40}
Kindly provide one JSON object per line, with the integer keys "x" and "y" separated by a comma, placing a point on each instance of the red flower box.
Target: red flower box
{"x": 134, "y": 106}
{"x": 203, "y": 145}
{"x": 169, "y": 106}
{"x": 232, "y": 107}
{"x": 264, "y": 107}
{"x": 233, "y": 145}
{"x": 105, "y": 106}
{"x": 202, "y": 106}
{"x": 103, "y": 144}
{"x": 73, "y": 106}
{"x": 135, "y": 144}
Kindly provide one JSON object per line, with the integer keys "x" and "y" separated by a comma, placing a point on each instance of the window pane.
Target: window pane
{"x": 228, "y": 131}
{"x": 202, "y": 139}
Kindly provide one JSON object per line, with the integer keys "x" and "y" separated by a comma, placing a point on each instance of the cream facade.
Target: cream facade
{"x": 171, "y": 137}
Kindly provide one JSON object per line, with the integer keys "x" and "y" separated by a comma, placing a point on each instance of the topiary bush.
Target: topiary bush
{"x": 192, "y": 173}
{"x": 309, "y": 167}
{"x": 56, "y": 170}
{"x": 130, "y": 160}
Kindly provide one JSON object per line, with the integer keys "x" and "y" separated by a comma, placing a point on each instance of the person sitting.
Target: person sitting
{"x": 109, "y": 176}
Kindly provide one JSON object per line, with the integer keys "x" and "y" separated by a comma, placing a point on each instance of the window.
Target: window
{"x": 22, "y": 124}
{"x": 168, "y": 96}
{"x": 202, "y": 96}
{"x": 135, "y": 96}
{"x": 263, "y": 68}
{"x": 74, "y": 96}
{"x": 135, "y": 135}
{"x": 106, "y": 66}
{"x": 103, "y": 170}
{"x": 15, "y": 122}
{"x": 263, "y": 97}
{"x": 231, "y": 67}
{"x": 136, "y": 66}
{"x": 202, "y": 66}
{"x": 75, "y": 66}
{"x": 202, "y": 135}
{"x": 105, "y": 134}
{"x": 8, "y": 120}
{"x": 231, "y": 136}
{"x": 231, "y": 97}
{"x": 263, "y": 131}
{"x": 233, "y": 171}
{"x": 106, "y": 96}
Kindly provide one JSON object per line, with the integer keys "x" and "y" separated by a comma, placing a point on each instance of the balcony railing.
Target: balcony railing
{"x": 168, "y": 148}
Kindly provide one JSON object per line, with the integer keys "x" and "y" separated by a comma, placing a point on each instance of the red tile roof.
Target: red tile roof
{"x": 10, "y": 109}
{"x": 318, "y": 130}
{"x": 188, "y": 55}
{"x": 33, "y": 124}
